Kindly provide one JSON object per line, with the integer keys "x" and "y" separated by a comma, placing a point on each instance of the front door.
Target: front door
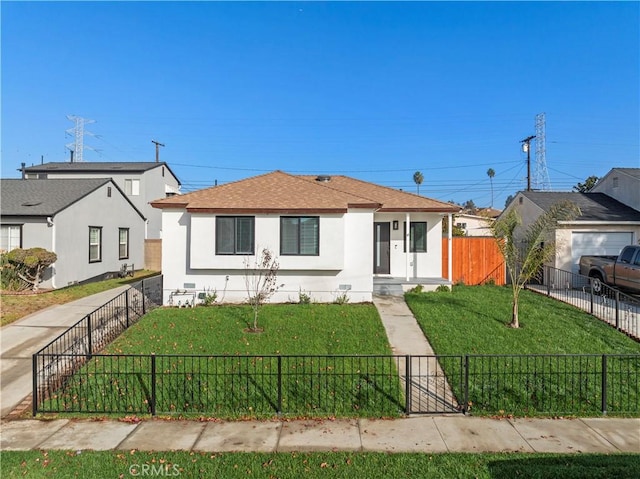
{"x": 381, "y": 248}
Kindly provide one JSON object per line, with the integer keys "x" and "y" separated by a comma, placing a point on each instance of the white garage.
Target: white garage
{"x": 597, "y": 243}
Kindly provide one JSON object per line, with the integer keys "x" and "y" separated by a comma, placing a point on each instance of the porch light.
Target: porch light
{"x": 395, "y": 224}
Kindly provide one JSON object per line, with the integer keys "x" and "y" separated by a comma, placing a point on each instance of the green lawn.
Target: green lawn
{"x": 472, "y": 320}
{"x": 311, "y": 360}
{"x": 292, "y": 329}
{"x": 99, "y": 464}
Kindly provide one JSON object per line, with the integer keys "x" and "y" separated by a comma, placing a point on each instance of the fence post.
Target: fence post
{"x": 617, "y": 309}
{"x": 407, "y": 384}
{"x": 90, "y": 345}
{"x": 126, "y": 305}
{"x": 547, "y": 275}
{"x": 153, "y": 384}
{"x": 144, "y": 308}
{"x": 465, "y": 406}
{"x": 604, "y": 384}
{"x": 34, "y": 373}
{"x": 591, "y": 287}
{"x": 279, "y": 384}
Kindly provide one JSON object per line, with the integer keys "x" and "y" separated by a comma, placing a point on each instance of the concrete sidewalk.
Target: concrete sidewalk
{"x": 415, "y": 434}
{"x": 21, "y": 339}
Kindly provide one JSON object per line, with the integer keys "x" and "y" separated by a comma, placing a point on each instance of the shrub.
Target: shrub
{"x": 342, "y": 298}
{"x": 417, "y": 289}
{"x": 30, "y": 264}
{"x": 303, "y": 297}
{"x": 443, "y": 288}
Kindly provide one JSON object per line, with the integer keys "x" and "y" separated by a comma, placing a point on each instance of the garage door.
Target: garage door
{"x": 597, "y": 243}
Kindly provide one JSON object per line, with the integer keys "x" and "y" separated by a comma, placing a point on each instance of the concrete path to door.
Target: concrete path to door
{"x": 21, "y": 339}
{"x": 430, "y": 391}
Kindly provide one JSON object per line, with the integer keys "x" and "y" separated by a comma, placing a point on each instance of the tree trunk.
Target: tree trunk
{"x": 514, "y": 314}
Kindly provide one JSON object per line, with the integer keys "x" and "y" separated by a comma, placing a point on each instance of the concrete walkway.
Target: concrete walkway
{"x": 21, "y": 339}
{"x": 415, "y": 434}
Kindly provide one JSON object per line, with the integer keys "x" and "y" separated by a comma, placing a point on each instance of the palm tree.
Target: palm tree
{"x": 491, "y": 174}
{"x": 527, "y": 249}
{"x": 418, "y": 178}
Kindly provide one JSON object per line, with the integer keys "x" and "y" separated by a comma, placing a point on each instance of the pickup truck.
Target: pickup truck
{"x": 621, "y": 271}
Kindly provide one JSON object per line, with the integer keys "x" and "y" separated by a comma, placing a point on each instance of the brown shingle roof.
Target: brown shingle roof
{"x": 284, "y": 193}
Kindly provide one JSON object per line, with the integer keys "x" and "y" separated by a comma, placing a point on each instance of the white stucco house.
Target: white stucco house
{"x": 142, "y": 182}
{"x": 477, "y": 223}
{"x": 604, "y": 226}
{"x": 90, "y": 224}
{"x": 333, "y": 235}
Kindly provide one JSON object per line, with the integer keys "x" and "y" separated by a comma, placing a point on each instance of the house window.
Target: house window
{"x": 417, "y": 237}
{"x": 615, "y": 181}
{"x": 123, "y": 243}
{"x": 95, "y": 244}
{"x": 132, "y": 187}
{"x": 462, "y": 225}
{"x": 10, "y": 237}
{"x": 299, "y": 235}
{"x": 108, "y": 192}
{"x": 234, "y": 234}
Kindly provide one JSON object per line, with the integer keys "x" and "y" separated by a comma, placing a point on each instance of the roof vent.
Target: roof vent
{"x": 323, "y": 178}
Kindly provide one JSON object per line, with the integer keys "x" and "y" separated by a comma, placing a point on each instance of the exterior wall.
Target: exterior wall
{"x": 344, "y": 265}
{"x": 421, "y": 265}
{"x": 71, "y": 231}
{"x": 475, "y": 225}
{"x": 627, "y": 191}
{"x": 152, "y": 187}
{"x": 36, "y": 233}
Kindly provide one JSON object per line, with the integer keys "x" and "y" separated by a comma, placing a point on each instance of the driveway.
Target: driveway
{"x": 21, "y": 339}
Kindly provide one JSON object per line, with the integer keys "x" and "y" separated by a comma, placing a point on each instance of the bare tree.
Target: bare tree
{"x": 524, "y": 254}
{"x": 418, "y": 178}
{"x": 260, "y": 277}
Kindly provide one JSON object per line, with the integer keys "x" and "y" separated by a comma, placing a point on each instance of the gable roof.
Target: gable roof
{"x": 48, "y": 197}
{"x": 279, "y": 192}
{"x": 109, "y": 167}
{"x": 593, "y": 206}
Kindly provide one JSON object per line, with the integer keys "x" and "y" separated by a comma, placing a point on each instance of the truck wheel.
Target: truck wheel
{"x": 596, "y": 283}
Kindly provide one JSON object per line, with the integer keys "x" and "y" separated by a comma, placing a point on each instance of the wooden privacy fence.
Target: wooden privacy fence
{"x": 476, "y": 260}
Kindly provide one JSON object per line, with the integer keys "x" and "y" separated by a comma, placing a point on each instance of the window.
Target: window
{"x": 10, "y": 237}
{"x": 108, "y": 192}
{"x": 462, "y": 225}
{"x": 615, "y": 181}
{"x": 627, "y": 255}
{"x": 123, "y": 243}
{"x": 132, "y": 187}
{"x": 417, "y": 237}
{"x": 234, "y": 234}
{"x": 95, "y": 244}
{"x": 299, "y": 235}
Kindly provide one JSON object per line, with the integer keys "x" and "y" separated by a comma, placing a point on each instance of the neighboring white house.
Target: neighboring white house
{"x": 89, "y": 223}
{"x": 622, "y": 184}
{"x": 478, "y": 223}
{"x": 332, "y": 236}
{"x": 142, "y": 182}
{"x": 604, "y": 226}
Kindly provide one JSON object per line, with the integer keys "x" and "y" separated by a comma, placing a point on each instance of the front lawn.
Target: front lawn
{"x": 311, "y": 360}
{"x": 514, "y": 371}
{"x": 356, "y": 465}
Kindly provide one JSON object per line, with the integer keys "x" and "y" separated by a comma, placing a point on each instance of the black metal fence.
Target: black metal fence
{"x": 374, "y": 386}
{"x": 620, "y": 310}
{"x": 62, "y": 357}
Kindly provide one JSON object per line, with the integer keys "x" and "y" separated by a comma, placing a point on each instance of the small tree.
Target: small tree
{"x": 523, "y": 261}
{"x": 260, "y": 277}
{"x": 30, "y": 264}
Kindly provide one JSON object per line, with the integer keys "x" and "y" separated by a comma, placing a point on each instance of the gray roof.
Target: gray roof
{"x": 46, "y": 197}
{"x": 107, "y": 167}
{"x": 594, "y": 206}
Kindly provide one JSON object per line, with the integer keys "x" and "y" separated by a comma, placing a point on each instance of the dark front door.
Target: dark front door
{"x": 381, "y": 248}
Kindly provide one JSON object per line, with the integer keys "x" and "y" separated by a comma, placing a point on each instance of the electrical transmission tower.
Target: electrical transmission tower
{"x": 541, "y": 175}
{"x": 77, "y": 146}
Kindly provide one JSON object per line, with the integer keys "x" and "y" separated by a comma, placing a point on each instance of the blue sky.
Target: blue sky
{"x": 373, "y": 90}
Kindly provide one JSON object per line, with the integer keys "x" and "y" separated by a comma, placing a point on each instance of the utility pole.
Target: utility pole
{"x": 158, "y": 145}
{"x": 526, "y": 148}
